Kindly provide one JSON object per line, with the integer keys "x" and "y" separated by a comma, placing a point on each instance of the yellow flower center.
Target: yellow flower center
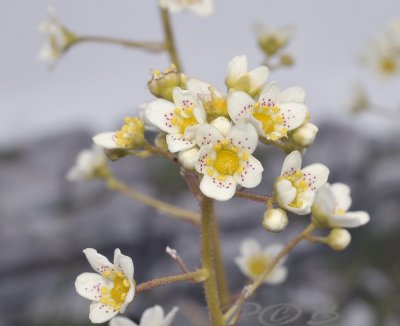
{"x": 301, "y": 186}
{"x": 184, "y": 118}
{"x": 257, "y": 265}
{"x": 267, "y": 123}
{"x": 388, "y": 65}
{"x": 226, "y": 162}
{"x": 270, "y": 119}
{"x": 115, "y": 297}
{"x": 131, "y": 134}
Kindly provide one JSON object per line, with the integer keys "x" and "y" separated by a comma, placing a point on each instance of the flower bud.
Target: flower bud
{"x": 286, "y": 60}
{"x": 305, "y": 134}
{"x": 275, "y": 220}
{"x": 339, "y": 239}
{"x": 188, "y": 158}
{"x": 162, "y": 84}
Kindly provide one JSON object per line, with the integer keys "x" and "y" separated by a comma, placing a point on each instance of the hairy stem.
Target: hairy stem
{"x": 254, "y": 197}
{"x": 169, "y": 39}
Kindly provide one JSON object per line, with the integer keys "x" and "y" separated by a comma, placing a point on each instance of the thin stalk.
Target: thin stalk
{"x": 169, "y": 39}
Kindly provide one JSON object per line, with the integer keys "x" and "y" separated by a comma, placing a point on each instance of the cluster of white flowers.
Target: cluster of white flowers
{"x": 383, "y": 56}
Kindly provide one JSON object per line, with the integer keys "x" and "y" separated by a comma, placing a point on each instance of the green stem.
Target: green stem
{"x": 207, "y": 257}
{"x": 169, "y": 39}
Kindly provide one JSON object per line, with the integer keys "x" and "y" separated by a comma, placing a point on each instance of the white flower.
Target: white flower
{"x": 59, "y": 38}
{"x": 275, "y": 220}
{"x": 240, "y": 79}
{"x": 179, "y": 119}
{"x": 305, "y": 134}
{"x": 339, "y": 239}
{"x": 130, "y": 136}
{"x": 272, "y": 40}
{"x": 225, "y": 158}
{"x": 331, "y": 205}
{"x": 254, "y": 260}
{"x": 90, "y": 164}
{"x": 295, "y": 189}
{"x": 111, "y": 289}
{"x": 151, "y": 317}
{"x": 273, "y": 114}
{"x": 199, "y": 7}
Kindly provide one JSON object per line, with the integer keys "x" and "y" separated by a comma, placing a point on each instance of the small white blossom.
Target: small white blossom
{"x": 273, "y": 114}
{"x": 111, "y": 289}
{"x": 59, "y": 38}
{"x": 331, "y": 205}
{"x": 272, "y": 40}
{"x": 151, "y": 317}
{"x": 254, "y": 260}
{"x": 90, "y": 164}
{"x": 199, "y": 7}
{"x": 295, "y": 189}
{"x": 225, "y": 158}
{"x": 179, "y": 120}
{"x": 240, "y": 79}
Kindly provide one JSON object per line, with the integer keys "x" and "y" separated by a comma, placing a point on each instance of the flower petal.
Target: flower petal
{"x": 100, "y": 313}
{"x": 218, "y": 189}
{"x": 258, "y": 78}
{"x": 272, "y": 250}
{"x": 342, "y": 195}
{"x": 98, "y": 262}
{"x": 222, "y": 124}
{"x": 285, "y": 192}
{"x": 199, "y": 88}
{"x": 170, "y": 316}
{"x": 184, "y": 98}
{"x": 249, "y": 247}
{"x": 293, "y": 114}
{"x": 251, "y": 175}
{"x": 178, "y": 142}
{"x": 291, "y": 164}
{"x": 237, "y": 67}
{"x": 88, "y": 285}
{"x": 270, "y": 95}
{"x": 350, "y": 219}
{"x": 202, "y": 8}
{"x": 124, "y": 263}
{"x": 239, "y": 105}
{"x": 160, "y": 113}
{"x": 200, "y": 165}
{"x": 189, "y": 157}
{"x": 244, "y": 136}
{"x": 316, "y": 175}
{"x": 325, "y": 200}
{"x": 199, "y": 113}
{"x": 278, "y": 275}
{"x": 152, "y": 316}
{"x": 293, "y": 95}
{"x": 207, "y": 135}
{"x": 122, "y": 321}
{"x": 106, "y": 140}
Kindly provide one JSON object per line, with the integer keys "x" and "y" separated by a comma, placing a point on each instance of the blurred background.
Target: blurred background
{"x": 49, "y": 115}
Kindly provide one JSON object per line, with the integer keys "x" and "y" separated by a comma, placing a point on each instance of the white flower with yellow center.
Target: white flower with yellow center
{"x": 273, "y": 114}
{"x": 111, "y": 289}
{"x": 199, "y": 7}
{"x": 179, "y": 120}
{"x": 225, "y": 158}
{"x": 272, "y": 40}
{"x": 130, "y": 136}
{"x": 240, "y": 79}
{"x": 90, "y": 163}
{"x": 331, "y": 205}
{"x": 151, "y": 317}
{"x": 295, "y": 189}
{"x": 59, "y": 38}
{"x": 254, "y": 260}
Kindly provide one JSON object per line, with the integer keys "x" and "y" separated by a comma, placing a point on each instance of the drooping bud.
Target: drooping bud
{"x": 162, "y": 84}
{"x": 275, "y": 220}
{"x": 339, "y": 239}
{"x": 305, "y": 134}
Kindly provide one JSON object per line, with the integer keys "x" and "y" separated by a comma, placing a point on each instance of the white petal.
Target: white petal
{"x": 200, "y": 165}
{"x": 325, "y": 200}
{"x": 293, "y": 94}
{"x": 249, "y": 247}
{"x": 241, "y": 262}
{"x": 199, "y": 88}
{"x": 350, "y": 219}
{"x": 270, "y": 95}
{"x": 239, "y": 105}
{"x": 342, "y": 195}
{"x": 251, "y": 175}
{"x": 106, "y": 140}
{"x": 222, "y": 124}
{"x": 293, "y": 114}
{"x": 237, "y": 67}
{"x": 278, "y": 275}
{"x": 98, "y": 262}
{"x": 199, "y": 113}
{"x": 122, "y": 321}
{"x": 218, "y": 189}
{"x": 316, "y": 175}
{"x": 258, "y": 125}
{"x": 129, "y": 296}
{"x": 170, "y": 317}
{"x": 124, "y": 263}
{"x": 88, "y": 285}
{"x": 207, "y": 135}
{"x": 258, "y": 78}
{"x": 160, "y": 113}
{"x": 189, "y": 157}
{"x": 285, "y": 192}
{"x": 272, "y": 250}
{"x": 100, "y": 313}
{"x": 203, "y": 7}
{"x": 177, "y": 143}
{"x": 304, "y": 209}
{"x": 244, "y": 136}
{"x": 152, "y": 316}
{"x": 291, "y": 164}
{"x": 184, "y": 98}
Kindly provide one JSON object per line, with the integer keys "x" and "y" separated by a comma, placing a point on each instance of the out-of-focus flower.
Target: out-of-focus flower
{"x": 272, "y": 40}
{"x": 130, "y": 136}
{"x": 240, "y": 79}
{"x": 90, "y": 164}
{"x": 331, "y": 205}
{"x": 151, "y": 317}
{"x": 225, "y": 158}
{"x": 254, "y": 260}
{"x": 111, "y": 289}
{"x": 59, "y": 38}
{"x": 338, "y": 239}
{"x": 295, "y": 189}
{"x": 305, "y": 134}
{"x": 273, "y": 114}
{"x": 162, "y": 84}
{"x": 360, "y": 100}
{"x": 199, "y": 7}
{"x": 275, "y": 220}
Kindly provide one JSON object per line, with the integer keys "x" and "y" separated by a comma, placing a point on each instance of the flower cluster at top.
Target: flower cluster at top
{"x": 216, "y": 134}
